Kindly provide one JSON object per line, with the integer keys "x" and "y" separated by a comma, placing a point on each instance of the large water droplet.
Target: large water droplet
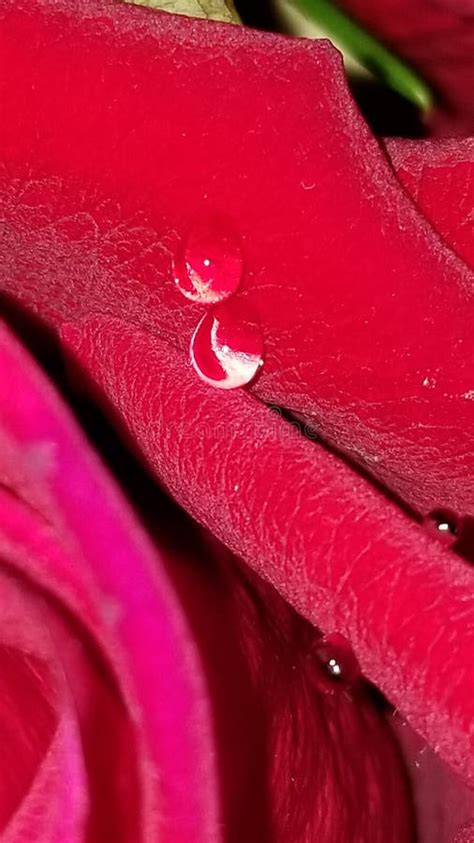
{"x": 208, "y": 266}
{"x": 227, "y": 347}
{"x": 335, "y": 653}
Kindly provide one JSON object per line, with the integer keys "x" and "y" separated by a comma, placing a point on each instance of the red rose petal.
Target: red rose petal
{"x": 366, "y": 314}
{"x": 86, "y": 234}
{"x": 262, "y": 754}
{"x": 343, "y": 555}
{"x": 439, "y": 175}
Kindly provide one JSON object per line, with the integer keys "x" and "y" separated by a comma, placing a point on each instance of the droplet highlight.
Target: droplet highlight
{"x": 337, "y": 658}
{"x": 443, "y": 525}
{"x": 209, "y": 264}
{"x": 227, "y": 347}
{"x": 335, "y": 669}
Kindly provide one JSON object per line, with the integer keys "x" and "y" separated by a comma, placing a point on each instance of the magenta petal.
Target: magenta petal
{"x": 159, "y": 670}
{"x": 54, "y": 809}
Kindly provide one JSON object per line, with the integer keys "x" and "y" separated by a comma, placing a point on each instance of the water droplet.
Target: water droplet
{"x": 444, "y": 525}
{"x": 335, "y": 653}
{"x": 208, "y": 266}
{"x": 334, "y": 667}
{"x": 227, "y": 347}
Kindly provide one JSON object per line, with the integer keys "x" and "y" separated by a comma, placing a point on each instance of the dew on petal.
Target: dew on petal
{"x": 336, "y": 655}
{"x": 227, "y": 347}
{"x": 334, "y": 667}
{"x": 443, "y": 525}
{"x": 208, "y": 266}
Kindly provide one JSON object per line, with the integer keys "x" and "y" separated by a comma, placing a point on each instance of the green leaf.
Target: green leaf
{"x": 360, "y": 48}
{"x": 222, "y": 10}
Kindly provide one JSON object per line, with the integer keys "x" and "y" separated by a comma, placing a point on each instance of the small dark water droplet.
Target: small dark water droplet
{"x": 227, "y": 347}
{"x": 208, "y": 265}
{"x": 443, "y": 525}
{"x": 335, "y": 653}
{"x": 334, "y": 668}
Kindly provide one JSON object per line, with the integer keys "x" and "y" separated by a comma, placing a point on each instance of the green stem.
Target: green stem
{"x": 368, "y": 51}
